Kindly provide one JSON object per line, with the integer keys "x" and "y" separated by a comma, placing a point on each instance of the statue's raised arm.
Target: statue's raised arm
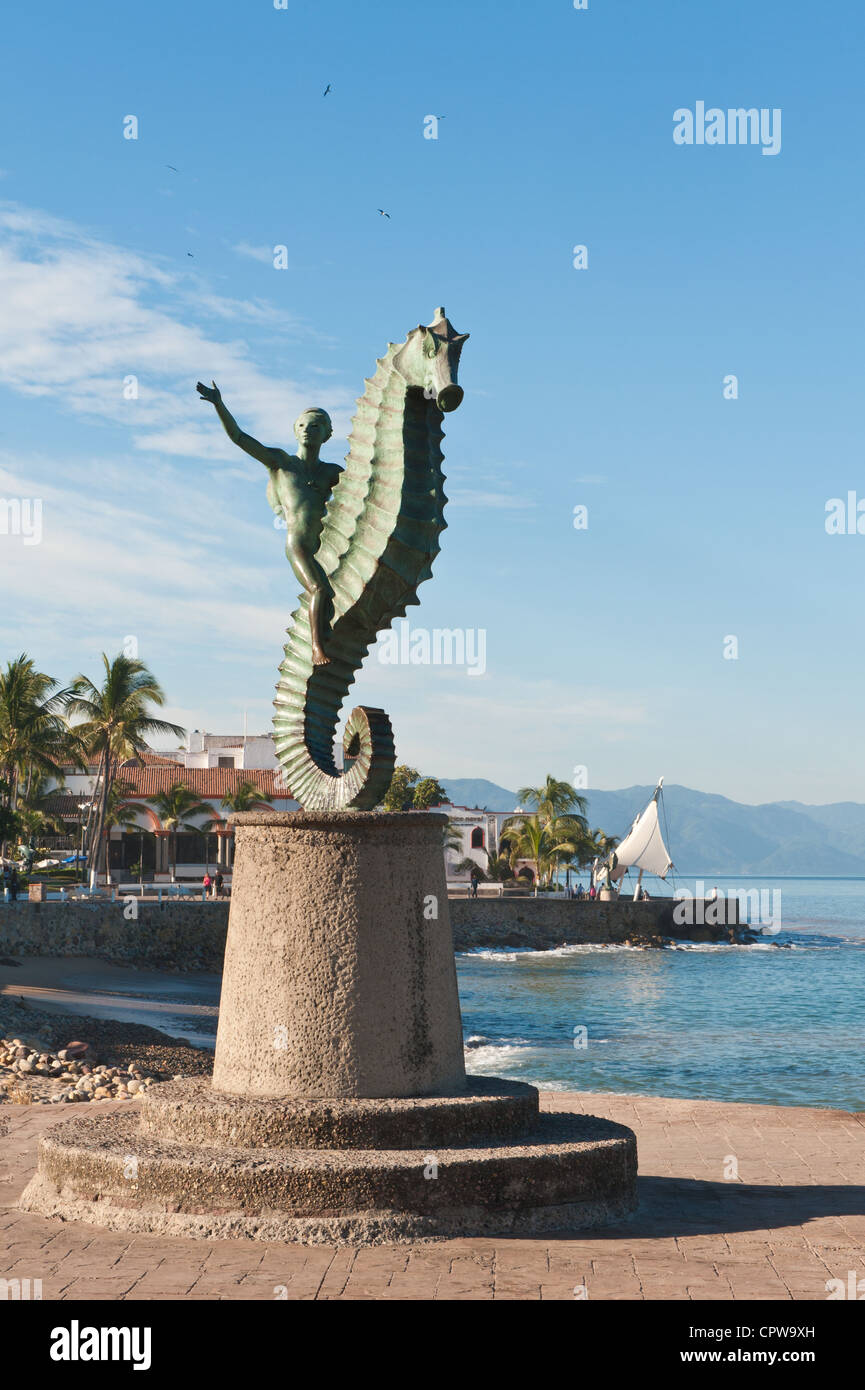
{"x": 232, "y": 429}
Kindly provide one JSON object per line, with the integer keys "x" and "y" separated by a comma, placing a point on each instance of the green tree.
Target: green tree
{"x": 399, "y": 794}
{"x": 10, "y": 826}
{"x": 116, "y": 721}
{"x": 499, "y": 868}
{"x": 468, "y": 866}
{"x": 428, "y": 792}
{"x": 34, "y": 814}
{"x": 174, "y": 808}
{"x": 408, "y": 791}
{"x": 245, "y": 797}
{"x": 541, "y": 844}
{"x": 561, "y": 811}
{"x": 451, "y": 835}
{"x": 34, "y": 736}
{"x": 555, "y": 798}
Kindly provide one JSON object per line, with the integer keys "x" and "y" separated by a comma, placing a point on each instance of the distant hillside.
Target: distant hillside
{"x": 712, "y": 835}
{"x": 475, "y": 791}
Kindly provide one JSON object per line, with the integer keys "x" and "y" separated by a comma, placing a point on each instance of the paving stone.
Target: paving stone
{"x": 793, "y": 1220}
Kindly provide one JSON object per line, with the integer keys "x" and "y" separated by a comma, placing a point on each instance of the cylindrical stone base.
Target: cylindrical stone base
{"x": 339, "y": 975}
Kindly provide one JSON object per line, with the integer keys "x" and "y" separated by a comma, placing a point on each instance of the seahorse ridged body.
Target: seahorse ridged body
{"x": 379, "y": 538}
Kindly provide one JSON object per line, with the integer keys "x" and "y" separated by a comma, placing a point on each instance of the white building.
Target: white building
{"x": 479, "y": 830}
{"x": 226, "y": 750}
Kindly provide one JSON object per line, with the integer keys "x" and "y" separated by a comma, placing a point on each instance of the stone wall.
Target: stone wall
{"x": 546, "y": 922}
{"x": 191, "y": 936}
{"x": 177, "y": 936}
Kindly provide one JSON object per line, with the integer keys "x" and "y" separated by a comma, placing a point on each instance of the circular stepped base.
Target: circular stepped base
{"x": 191, "y": 1112}
{"x": 116, "y": 1170}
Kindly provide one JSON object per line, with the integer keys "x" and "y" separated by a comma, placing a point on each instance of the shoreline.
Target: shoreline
{"x": 166, "y": 1055}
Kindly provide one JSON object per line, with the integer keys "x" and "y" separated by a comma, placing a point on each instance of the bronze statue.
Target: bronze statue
{"x": 360, "y": 541}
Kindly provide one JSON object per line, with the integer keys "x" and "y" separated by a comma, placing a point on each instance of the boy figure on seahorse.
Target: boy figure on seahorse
{"x": 298, "y": 489}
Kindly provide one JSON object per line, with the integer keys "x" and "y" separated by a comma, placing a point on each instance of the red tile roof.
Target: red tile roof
{"x": 212, "y": 783}
{"x": 209, "y": 783}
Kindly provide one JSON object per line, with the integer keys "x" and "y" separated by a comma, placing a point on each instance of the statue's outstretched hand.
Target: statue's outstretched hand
{"x": 208, "y": 393}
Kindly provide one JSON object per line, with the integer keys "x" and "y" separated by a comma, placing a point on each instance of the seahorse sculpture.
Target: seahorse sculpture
{"x": 378, "y": 538}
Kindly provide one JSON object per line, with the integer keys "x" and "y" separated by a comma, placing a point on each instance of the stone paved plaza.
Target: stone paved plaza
{"x": 792, "y": 1219}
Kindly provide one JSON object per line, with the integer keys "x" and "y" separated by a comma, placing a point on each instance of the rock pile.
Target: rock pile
{"x": 29, "y": 1075}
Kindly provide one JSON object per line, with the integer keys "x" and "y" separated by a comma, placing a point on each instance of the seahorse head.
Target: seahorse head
{"x": 429, "y": 360}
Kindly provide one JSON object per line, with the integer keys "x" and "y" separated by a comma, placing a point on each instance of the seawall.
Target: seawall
{"x": 191, "y": 936}
{"x": 176, "y": 936}
{"x": 545, "y": 922}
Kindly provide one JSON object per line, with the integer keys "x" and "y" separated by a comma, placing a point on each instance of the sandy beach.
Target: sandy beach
{"x": 184, "y": 1006}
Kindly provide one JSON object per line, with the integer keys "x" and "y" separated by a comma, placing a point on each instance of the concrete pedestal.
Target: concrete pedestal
{"x": 339, "y": 968}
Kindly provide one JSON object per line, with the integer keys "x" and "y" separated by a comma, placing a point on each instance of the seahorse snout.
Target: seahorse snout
{"x": 449, "y": 397}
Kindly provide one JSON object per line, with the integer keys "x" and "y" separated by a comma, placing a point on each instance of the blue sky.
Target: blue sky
{"x": 601, "y": 387}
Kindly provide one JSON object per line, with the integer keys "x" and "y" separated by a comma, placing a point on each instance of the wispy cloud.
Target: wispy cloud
{"x": 254, "y": 253}
{"x": 81, "y": 317}
{"x": 108, "y": 566}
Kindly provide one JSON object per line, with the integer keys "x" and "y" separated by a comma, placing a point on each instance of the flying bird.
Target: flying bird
{"x": 382, "y": 212}
{"x": 172, "y": 168}
{"x": 326, "y": 90}
{"x": 189, "y": 253}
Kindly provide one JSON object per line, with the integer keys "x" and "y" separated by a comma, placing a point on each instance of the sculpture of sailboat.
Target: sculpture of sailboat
{"x": 643, "y": 848}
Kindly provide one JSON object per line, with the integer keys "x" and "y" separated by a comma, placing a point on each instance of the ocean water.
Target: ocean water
{"x": 780, "y": 1022}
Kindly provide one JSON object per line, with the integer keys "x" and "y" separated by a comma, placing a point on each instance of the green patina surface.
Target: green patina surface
{"x": 360, "y": 541}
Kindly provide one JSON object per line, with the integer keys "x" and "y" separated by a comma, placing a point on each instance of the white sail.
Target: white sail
{"x": 643, "y": 847}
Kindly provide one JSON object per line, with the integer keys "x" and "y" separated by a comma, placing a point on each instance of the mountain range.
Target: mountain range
{"x": 708, "y": 834}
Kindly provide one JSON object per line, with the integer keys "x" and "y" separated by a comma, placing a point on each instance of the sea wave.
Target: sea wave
{"x": 513, "y": 953}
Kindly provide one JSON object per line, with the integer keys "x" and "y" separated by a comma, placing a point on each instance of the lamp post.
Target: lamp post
{"x": 83, "y": 806}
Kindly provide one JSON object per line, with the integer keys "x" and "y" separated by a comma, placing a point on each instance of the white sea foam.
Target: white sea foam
{"x": 496, "y": 1058}
{"x": 513, "y": 953}
{"x": 483, "y": 953}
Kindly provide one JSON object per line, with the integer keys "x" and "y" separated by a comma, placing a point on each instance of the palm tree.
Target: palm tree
{"x": 596, "y": 845}
{"x": 34, "y": 815}
{"x": 174, "y": 808}
{"x": 529, "y": 838}
{"x": 561, "y": 811}
{"x": 555, "y": 798}
{"x": 451, "y": 835}
{"x": 499, "y": 866}
{"x": 468, "y": 866}
{"x": 119, "y": 811}
{"x": 116, "y": 721}
{"x": 245, "y": 797}
{"x": 34, "y": 736}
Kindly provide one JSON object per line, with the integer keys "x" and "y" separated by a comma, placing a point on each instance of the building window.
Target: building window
{"x": 225, "y": 762}
{"x": 477, "y": 838}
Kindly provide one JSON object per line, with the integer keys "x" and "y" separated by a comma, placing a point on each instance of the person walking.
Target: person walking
{"x": 205, "y": 883}
{"x": 14, "y": 884}
{"x": 218, "y": 882}
{"x": 474, "y": 882}
{"x": 6, "y": 877}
